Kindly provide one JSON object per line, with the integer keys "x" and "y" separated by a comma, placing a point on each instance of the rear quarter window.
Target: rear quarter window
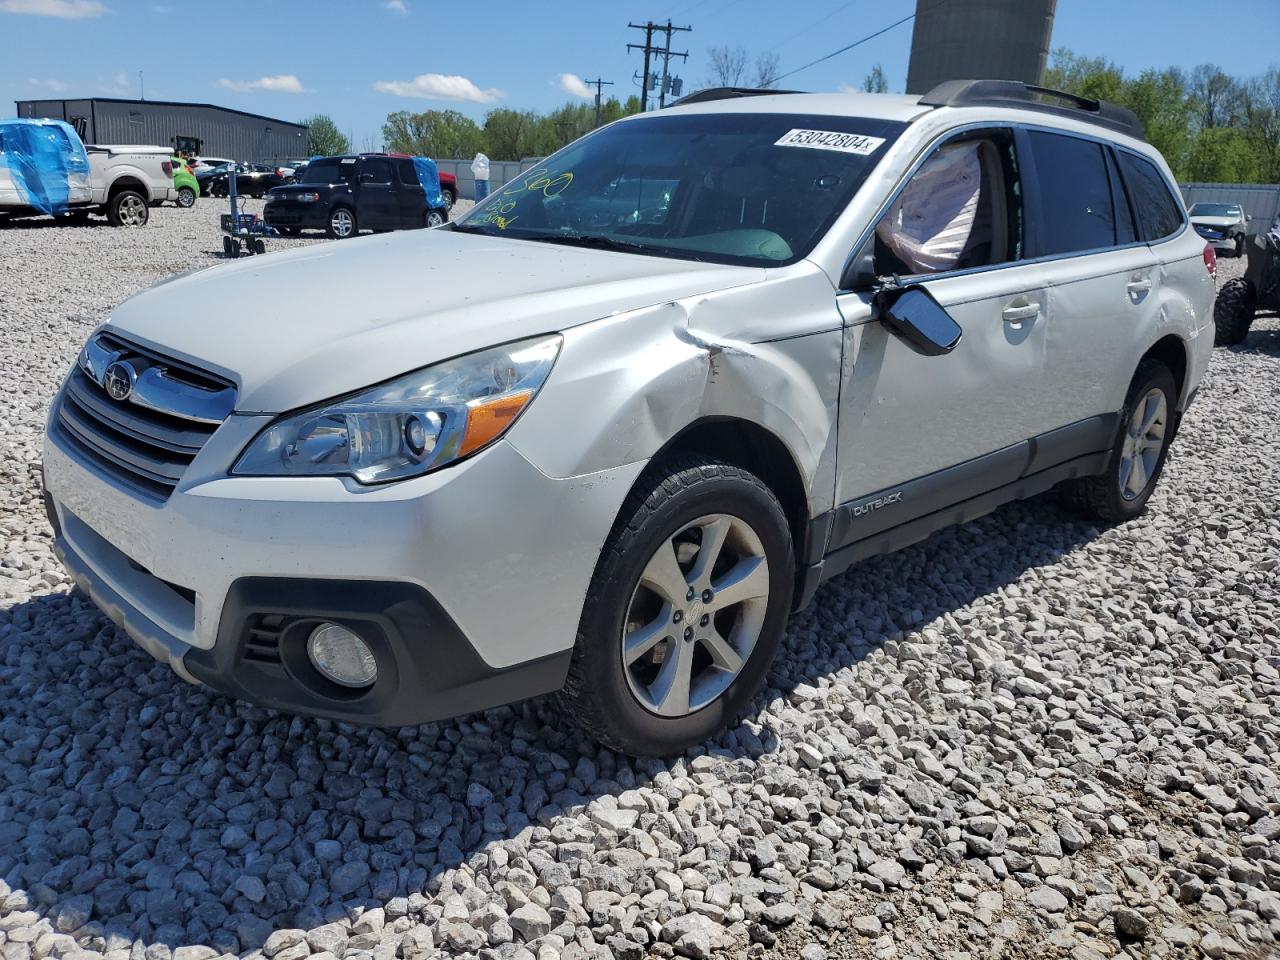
{"x": 1159, "y": 214}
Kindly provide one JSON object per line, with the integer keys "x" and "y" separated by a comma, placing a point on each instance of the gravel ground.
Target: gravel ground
{"x": 1027, "y": 737}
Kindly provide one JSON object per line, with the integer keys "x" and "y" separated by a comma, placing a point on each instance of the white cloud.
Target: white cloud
{"x": 573, "y": 85}
{"x": 280, "y": 83}
{"x": 56, "y": 86}
{"x": 62, "y": 9}
{"x": 439, "y": 86}
{"x": 117, "y": 86}
{"x": 399, "y": 6}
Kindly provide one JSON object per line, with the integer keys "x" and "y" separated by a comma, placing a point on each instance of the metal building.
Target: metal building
{"x": 190, "y": 128}
{"x": 979, "y": 40}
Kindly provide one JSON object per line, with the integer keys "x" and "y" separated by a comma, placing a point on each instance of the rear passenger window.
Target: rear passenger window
{"x": 1159, "y": 215}
{"x": 1076, "y": 211}
{"x": 376, "y": 170}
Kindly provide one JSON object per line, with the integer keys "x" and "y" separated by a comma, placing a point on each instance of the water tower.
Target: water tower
{"x": 979, "y": 40}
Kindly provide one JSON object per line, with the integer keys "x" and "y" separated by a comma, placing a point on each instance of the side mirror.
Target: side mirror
{"x": 913, "y": 314}
{"x": 860, "y": 274}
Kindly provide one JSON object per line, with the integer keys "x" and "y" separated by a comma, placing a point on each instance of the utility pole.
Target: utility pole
{"x": 666, "y": 61}
{"x": 598, "y": 84}
{"x": 651, "y": 49}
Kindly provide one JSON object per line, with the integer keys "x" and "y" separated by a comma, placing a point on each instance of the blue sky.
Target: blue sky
{"x": 358, "y": 60}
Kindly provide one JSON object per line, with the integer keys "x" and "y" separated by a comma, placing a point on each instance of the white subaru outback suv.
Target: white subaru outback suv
{"x": 604, "y": 433}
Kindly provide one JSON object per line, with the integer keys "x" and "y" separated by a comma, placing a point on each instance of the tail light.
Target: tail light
{"x": 280, "y": 172}
{"x": 1211, "y": 260}
{"x": 167, "y": 167}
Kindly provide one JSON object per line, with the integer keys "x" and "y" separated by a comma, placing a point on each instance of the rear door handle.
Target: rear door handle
{"x": 1139, "y": 286}
{"x": 1017, "y": 313}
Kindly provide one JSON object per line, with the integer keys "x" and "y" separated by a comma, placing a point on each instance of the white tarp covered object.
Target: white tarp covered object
{"x": 929, "y": 225}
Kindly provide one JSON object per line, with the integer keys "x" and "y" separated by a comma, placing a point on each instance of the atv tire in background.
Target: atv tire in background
{"x": 1233, "y": 312}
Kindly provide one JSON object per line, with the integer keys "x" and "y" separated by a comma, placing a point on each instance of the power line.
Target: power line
{"x": 857, "y": 43}
{"x": 816, "y": 23}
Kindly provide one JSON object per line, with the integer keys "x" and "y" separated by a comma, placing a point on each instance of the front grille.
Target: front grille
{"x": 148, "y": 439}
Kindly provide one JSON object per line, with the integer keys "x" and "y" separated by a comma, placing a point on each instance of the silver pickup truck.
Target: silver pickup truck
{"x": 125, "y": 180}
{"x": 48, "y": 174}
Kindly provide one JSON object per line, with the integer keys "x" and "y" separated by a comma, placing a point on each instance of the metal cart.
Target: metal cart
{"x": 244, "y": 231}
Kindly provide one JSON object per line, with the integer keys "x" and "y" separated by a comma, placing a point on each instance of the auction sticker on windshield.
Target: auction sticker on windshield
{"x": 830, "y": 140}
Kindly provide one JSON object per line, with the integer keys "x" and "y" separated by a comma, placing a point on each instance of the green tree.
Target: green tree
{"x": 324, "y": 139}
{"x": 1223, "y": 155}
{"x": 433, "y": 133}
{"x": 874, "y": 81}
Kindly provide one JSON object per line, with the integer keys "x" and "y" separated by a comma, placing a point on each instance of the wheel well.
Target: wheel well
{"x": 753, "y": 448}
{"x": 1173, "y": 354}
{"x": 128, "y": 183}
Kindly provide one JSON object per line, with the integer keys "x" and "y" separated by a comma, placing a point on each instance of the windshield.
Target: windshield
{"x": 330, "y": 170}
{"x": 757, "y": 189}
{"x": 1215, "y": 210}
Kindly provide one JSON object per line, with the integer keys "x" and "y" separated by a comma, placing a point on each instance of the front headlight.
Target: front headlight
{"x": 409, "y": 425}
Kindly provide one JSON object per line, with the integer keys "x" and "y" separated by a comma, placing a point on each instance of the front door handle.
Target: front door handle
{"x": 1020, "y": 312}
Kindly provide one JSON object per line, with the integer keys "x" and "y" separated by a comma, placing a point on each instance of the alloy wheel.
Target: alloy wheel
{"x": 133, "y": 211}
{"x": 1143, "y": 441}
{"x": 342, "y": 222}
{"x": 696, "y": 615}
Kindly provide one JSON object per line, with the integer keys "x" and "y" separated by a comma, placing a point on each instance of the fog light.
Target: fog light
{"x": 341, "y": 656}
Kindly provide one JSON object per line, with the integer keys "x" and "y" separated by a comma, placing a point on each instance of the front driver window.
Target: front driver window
{"x": 961, "y": 209}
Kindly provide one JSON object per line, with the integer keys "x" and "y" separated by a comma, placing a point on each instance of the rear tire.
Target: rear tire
{"x": 186, "y": 197}
{"x": 432, "y": 218}
{"x": 722, "y": 624}
{"x": 1233, "y": 312}
{"x": 1137, "y": 458}
{"x": 128, "y": 208}
{"x": 450, "y": 198}
{"x": 1239, "y": 249}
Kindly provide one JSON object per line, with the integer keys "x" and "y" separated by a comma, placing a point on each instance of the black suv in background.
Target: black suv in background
{"x": 344, "y": 195}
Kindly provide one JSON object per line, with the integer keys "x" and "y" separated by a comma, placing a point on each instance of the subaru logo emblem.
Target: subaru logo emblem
{"x": 119, "y": 380}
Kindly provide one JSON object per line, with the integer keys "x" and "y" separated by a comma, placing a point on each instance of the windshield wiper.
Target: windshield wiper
{"x": 595, "y": 240}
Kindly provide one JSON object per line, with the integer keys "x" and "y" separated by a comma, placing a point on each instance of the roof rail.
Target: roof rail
{"x": 727, "y": 93}
{"x": 1027, "y": 96}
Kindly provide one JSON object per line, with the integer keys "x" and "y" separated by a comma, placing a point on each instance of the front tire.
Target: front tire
{"x": 128, "y": 208}
{"x": 1239, "y": 249}
{"x": 450, "y": 198}
{"x": 433, "y": 218}
{"x": 342, "y": 223}
{"x": 1233, "y": 312}
{"x": 685, "y": 611}
{"x": 1137, "y": 458}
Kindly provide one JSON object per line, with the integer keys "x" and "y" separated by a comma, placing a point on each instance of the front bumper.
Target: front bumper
{"x": 468, "y": 582}
{"x": 305, "y": 215}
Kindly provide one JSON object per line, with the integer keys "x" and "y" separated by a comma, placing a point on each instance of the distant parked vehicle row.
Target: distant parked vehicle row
{"x": 343, "y": 195}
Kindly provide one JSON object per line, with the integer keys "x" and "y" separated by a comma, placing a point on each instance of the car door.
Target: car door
{"x": 1100, "y": 277}
{"x": 412, "y": 197}
{"x": 959, "y": 424}
{"x": 379, "y": 205}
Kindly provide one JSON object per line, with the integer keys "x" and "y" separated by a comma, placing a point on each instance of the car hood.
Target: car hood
{"x": 1215, "y": 221}
{"x": 295, "y": 328}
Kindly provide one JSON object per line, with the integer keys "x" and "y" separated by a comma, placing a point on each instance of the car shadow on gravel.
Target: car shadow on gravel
{"x": 155, "y": 811}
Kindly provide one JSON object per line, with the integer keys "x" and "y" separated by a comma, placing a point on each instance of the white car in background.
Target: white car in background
{"x": 1225, "y": 225}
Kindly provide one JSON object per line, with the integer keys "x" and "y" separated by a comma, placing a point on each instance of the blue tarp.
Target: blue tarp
{"x": 429, "y": 177}
{"x": 46, "y": 162}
